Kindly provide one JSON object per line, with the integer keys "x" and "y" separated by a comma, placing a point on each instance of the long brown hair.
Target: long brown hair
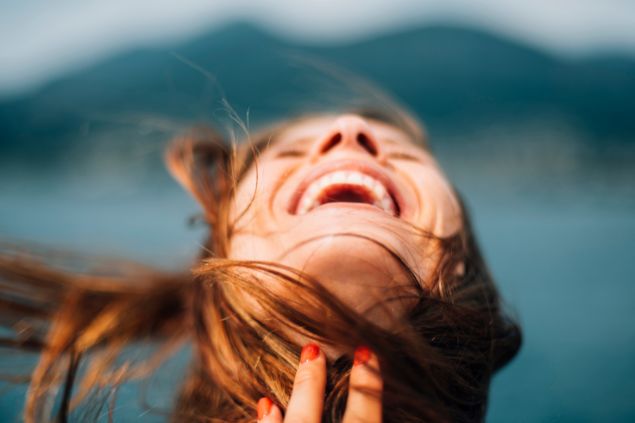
{"x": 436, "y": 365}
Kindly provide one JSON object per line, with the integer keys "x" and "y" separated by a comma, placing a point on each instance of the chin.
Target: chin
{"x": 360, "y": 272}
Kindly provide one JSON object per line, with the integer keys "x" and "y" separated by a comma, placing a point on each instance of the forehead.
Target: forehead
{"x": 306, "y": 130}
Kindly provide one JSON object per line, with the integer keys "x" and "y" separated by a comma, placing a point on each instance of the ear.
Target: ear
{"x": 199, "y": 160}
{"x": 507, "y": 341}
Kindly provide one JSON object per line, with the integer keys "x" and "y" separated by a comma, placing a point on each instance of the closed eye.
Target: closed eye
{"x": 397, "y": 155}
{"x": 290, "y": 153}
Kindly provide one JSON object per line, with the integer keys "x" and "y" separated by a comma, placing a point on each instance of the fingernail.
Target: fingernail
{"x": 309, "y": 352}
{"x": 264, "y": 407}
{"x": 362, "y": 355}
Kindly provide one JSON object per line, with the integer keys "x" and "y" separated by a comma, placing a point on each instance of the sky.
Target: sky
{"x": 42, "y": 39}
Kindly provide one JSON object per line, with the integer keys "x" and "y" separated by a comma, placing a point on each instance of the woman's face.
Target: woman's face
{"x": 341, "y": 198}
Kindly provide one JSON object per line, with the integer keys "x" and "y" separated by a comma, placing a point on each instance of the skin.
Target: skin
{"x": 349, "y": 247}
{"x": 307, "y": 397}
{"x": 345, "y": 245}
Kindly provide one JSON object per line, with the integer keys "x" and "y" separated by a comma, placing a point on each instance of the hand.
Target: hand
{"x": 307, "y": 397}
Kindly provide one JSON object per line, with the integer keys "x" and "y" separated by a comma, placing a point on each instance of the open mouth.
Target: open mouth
{"x": 346, "y": 186}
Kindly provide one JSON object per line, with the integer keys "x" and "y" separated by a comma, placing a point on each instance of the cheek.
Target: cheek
{"x": 250, "y": 203}
{"x": 256, "y": 226}
{"x": 438, "y": 208}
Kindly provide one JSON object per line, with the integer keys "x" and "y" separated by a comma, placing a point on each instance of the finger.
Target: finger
{"x": 307, "y": 397}
{"x": 268, "y": 412}
{"x": 365, "y": 387}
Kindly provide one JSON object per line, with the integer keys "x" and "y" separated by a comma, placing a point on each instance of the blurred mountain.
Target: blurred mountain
{"x": 456, "y": 79}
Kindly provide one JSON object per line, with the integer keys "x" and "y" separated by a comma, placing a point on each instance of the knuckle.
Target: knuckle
{"x": 355, "y": 418}
{"x": 304, "y": 377}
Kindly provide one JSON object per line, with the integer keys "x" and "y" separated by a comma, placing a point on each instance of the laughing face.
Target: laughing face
{"x": 350, "y": 201}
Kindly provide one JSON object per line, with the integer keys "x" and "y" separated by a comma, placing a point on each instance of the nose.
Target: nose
{"x": 348, "y": 133}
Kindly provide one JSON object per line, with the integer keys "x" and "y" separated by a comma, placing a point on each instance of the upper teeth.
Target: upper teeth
{"x": 377, "y": 190}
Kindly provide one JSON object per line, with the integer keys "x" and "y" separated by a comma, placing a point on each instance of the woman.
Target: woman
{"x": 338, "y": 233}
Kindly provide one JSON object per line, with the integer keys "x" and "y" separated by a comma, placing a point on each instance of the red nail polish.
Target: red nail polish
{"x": 264, "y": 407}
{"x": 362, "y": 355}
{"x": 309, "y": 352}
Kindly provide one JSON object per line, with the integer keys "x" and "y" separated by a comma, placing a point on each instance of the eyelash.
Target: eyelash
{"x": 402, "y": 156}
{"x": 290, "y": 153}
{"x": 300, "y": 153}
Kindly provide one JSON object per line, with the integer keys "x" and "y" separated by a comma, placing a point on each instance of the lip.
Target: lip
{"x": 366, "y": 168}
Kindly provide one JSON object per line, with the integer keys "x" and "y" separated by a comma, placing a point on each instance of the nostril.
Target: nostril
{"x": 366, "y": 143}
{"x": 332, "y": 142}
